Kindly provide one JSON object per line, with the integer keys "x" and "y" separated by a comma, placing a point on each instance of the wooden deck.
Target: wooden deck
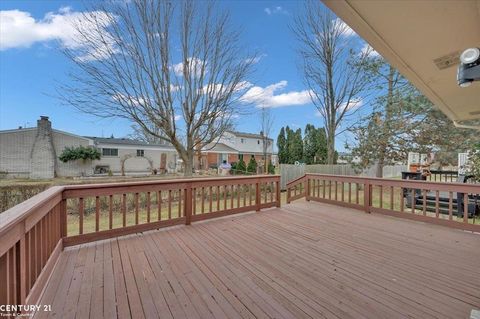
{"x": 305, "y": 260}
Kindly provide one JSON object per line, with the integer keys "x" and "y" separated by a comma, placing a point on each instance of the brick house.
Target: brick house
{"x": 231, "y": 147}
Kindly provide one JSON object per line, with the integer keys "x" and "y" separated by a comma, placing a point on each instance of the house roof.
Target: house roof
{"x": 124, "y": 141}
{"x": 248, "y": 135}
{"x": 423, "y": 40}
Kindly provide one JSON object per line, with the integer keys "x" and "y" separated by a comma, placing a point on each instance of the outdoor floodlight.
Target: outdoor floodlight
{"x": 469, "y": 68}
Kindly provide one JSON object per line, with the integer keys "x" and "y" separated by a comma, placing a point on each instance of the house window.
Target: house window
{"x": 258, "y": 142}
{"x": 109, "y": 151}
{"x": 140, "y": 153}
{"x": 242, "y": 140}
{"x": 222, "y": 157}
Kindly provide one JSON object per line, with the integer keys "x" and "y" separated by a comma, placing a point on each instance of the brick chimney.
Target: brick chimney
{"x": 43, "y": 153}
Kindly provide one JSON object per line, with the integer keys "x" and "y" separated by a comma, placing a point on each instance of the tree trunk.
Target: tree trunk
{"x": 331, "y": 148}
{"x": 188, "y": 164}
{"x": 379, "y": 171}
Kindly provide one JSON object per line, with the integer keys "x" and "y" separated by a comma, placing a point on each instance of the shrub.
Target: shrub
{"x": 271, "y": 168}
{"x": 252, "y": 165}
{"x": 79, "y": 153}
{"x": 241, "y": 167}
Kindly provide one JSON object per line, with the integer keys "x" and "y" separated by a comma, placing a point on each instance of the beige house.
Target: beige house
{"x": 33, "y": 153}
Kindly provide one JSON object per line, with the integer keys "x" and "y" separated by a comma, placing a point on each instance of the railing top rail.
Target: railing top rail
{"x": 296, "y": 180}
{"x": 461, "y": 187}
{"x": 167, "y": 181}
{"x": 20, "y": 212}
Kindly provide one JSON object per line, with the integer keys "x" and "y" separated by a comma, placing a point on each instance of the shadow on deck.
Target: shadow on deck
{"x": 304, "y": 260}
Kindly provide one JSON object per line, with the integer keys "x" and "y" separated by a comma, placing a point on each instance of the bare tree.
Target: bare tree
{"x": 266, "y": 123}
{"x": 177, "y": 66}
{"x": 140, "y": 134}
{"x": 332, "y": 70}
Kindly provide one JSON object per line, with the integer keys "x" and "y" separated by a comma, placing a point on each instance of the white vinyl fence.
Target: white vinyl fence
{"x": 289, "y": 172}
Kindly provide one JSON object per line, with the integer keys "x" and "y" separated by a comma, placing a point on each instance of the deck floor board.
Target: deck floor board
{"x": 304, "y": 260}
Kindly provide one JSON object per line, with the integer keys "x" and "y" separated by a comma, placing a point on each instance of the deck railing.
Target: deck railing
{"x": 449, "y": 204}
{"x": 33, "y": 233}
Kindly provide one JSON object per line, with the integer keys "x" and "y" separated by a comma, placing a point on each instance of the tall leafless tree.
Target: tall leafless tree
{"x": 266, "y": 123}
{"x": 332, "y": 70}
{"x": 174, "y": 65}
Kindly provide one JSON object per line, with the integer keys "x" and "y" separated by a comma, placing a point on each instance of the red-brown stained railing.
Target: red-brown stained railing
{"x": 33, "y": 233}
{"x": 30, "y": 243}
{"x": 180, "y": 201}
{"x": 419, "y": 200}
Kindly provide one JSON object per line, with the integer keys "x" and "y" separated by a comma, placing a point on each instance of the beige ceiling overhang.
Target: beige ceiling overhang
{"x": 423, "y": 40}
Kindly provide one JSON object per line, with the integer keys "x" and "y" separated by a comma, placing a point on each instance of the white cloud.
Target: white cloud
{"x": 18, "y": 29}
{"x": 265, "y": 97}
{"x": 275, "y": 10}
{"x": 347, "y": 31}
{"x": 368, "y": 50}
{"x": 177, "y": 117}
{"x": 194, "y": 65}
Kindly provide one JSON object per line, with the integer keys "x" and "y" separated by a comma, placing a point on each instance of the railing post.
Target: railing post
{"x": 188, "y": 204}
{"x": 307, "y": 191}
{"x": 367, "y": 197}
{"x": 279, "y": 199}
{"x": 258, "y": 195}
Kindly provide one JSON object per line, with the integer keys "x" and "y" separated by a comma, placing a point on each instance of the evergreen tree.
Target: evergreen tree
{"x": 252, "y": 165}
{"x": 282, "y": 147}
{"x": 314, "y": 145}
{"x": 241, "y": 167}
{"x": 295, "y": 146}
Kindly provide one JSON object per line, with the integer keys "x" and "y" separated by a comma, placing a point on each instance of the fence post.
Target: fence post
{"x": 367, "y": 197}
{"x": 258, "y": 195}
{"x": 188, "y": 204}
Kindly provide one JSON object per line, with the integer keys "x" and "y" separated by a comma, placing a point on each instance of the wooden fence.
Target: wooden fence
{"x": 33, "y": 233}
{"x": 289, "y": 172}
{"x": 449, "y": 204}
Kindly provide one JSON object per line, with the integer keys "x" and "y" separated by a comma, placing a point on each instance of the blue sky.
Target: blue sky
{"x": 30, "y": 67}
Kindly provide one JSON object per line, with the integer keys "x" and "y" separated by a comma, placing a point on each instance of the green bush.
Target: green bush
{"x": 241, "y": 167}
{"x": 252, "y": 165}
{"x": 79, "y": 153}
{"x": 271, "y": 168}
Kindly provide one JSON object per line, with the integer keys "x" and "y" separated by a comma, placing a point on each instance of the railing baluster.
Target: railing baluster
{"x": 357, "y": 192}
{"x": 148, "y": 207}
{"x": 211, "y": 200}
{"x": 402, "y": 203}
{"x": 349, "y": 192}
{"x": 110, "y": 211}
{"x": 179, "y": 203}
{"x": 203, "y": 199}
{"x": 80, "y": 211}
{"x": 194, "y": 202}
{"x": 159, "y": 205}
{"x": 413, "y": 201}
{"x": 465, "y": 207}
{"x": 381, "y": 195}
{"x": 97, "y": 213}
{"x": 124, "y": 210}
{"x": 424, "y": 192}
{"x": 450, "y": 205}
{"x": 231, "y": 196}
{"x": 391, "y": 197}
{"x": 239, "y": 190}
{"x": 437, "y": 208}
{"x": 336, "y": 190}
{"x": 169, "y": 204}
{"x": 218, "y": 198}
{"x": 136, "y": 208}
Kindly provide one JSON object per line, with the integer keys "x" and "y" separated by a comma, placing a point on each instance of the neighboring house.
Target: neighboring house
{"x": 33, "y": 153}
{"x": 233, "y": 146}
{"x": 131, "y": 156}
